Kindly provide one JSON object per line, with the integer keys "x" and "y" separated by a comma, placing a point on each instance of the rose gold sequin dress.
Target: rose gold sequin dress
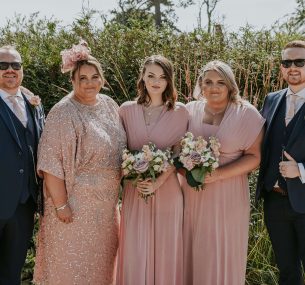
{"x": 82, "y": 145}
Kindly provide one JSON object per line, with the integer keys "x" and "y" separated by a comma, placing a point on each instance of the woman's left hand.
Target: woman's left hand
{"x": 147, "y": 186}
{"x": 212, "y": 177}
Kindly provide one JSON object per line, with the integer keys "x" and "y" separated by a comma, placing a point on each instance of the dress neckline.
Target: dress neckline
{"x": 84, "y": 106}
{"x": 150, "y": 128}
{"x": 225, "y": 115}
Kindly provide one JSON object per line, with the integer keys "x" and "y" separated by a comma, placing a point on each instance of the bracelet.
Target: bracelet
{"x": 61, "y": 207}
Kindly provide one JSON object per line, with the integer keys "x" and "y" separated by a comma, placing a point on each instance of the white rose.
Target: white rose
{"x": 156, "y": 167}
{"x": 215, "y": 164}
{"x": 157, "y": 159}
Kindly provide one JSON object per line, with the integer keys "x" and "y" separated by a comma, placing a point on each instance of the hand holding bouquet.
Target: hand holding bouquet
{"x": 145, "y": 166}
{"x": 198, "y": 157}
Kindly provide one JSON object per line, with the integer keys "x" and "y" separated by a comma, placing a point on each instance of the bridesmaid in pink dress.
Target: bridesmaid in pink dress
{"x": 216, "y": 219}
{"x": 150, "y": 243}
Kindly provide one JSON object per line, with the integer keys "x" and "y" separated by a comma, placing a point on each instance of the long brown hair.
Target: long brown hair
{"x": 169, "y": 96}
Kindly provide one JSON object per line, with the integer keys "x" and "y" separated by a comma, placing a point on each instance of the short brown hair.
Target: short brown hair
{"x": 169, "y": 96}
{"x": 9, "y": 48}
{"x": 293, "y": 44}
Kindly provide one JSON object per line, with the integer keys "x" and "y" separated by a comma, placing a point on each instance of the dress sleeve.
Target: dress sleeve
{"x": 122, "y": 110}
{"x": 251, "y": 125}
{"x": 182, "y": 120}
{"x": 57, "y": 146}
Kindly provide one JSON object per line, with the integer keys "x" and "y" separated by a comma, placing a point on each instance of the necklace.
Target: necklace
{"x": 152, "y": 114}
{"x": 215, "y": 117}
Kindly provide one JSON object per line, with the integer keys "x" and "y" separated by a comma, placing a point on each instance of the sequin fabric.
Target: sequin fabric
{"x": 82, "y": 145}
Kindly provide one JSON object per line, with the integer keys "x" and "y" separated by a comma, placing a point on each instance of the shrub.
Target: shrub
{"x": 253, "y": 55}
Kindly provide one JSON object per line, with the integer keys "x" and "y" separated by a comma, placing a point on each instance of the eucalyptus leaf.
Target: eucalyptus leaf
{"x": 199, "y": 174}
{"x": 190, "y": 179}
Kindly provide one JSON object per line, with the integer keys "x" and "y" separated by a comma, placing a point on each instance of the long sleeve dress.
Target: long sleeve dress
{"x": 216, "y": 219}
{"x": 150, "y": 244}
{"x": 82, "y": 145}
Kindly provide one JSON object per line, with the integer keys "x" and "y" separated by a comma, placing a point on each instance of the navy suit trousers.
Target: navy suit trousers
{"x": 15, "y": 236}
{"x": 287, "y": 233}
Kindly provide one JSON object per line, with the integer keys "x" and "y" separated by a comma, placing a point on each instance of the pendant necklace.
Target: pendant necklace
{"x": 152, "y": 114}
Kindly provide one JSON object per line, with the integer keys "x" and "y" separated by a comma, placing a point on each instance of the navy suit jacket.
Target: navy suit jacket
{"x": 295, "y": 147}
{"x": 11, "y": 158}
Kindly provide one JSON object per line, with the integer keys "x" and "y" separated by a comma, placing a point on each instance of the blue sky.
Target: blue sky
{"x": 236, "y": 13}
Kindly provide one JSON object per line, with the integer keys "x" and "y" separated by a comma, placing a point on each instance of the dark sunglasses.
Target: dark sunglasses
{"x": 300, "y": 62}
{"x": 15, "y": 65}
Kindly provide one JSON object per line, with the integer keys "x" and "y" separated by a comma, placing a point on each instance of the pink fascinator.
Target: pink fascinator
{"x": 71, "y": 56}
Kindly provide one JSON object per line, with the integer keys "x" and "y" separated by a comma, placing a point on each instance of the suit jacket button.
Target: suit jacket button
{"x": 20, "y": 153}
{"x": 21, "y": 171}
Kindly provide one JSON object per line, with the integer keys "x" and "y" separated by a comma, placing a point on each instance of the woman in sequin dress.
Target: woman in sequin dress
{"x": 216, "y": 219}
{"x": 150, "y": 244}
{"x": 79, "y": 158}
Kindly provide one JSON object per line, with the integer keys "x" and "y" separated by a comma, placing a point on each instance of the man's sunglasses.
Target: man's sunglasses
{"x": 15, "y": 65}
{"x": 300, "y": 62}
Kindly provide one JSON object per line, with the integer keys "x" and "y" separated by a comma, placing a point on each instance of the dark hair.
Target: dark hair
{"x": 169, "y": 96}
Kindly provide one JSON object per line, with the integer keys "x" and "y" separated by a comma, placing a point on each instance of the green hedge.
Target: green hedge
{"x": 254, "y": 56}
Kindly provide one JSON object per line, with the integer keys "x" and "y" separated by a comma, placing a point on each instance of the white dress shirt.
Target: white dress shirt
{"x": 4, "y": 95}
{"x": 298, "y": 104}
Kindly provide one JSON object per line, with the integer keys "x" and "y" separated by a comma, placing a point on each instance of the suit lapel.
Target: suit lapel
{"x": 34, "y": 115}
{"x": 299, "y": 126}
{"x": 6, "y": 117}
{"x": 274, "y": 108}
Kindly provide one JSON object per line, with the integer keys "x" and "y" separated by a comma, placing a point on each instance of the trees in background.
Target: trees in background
{"x": 294, "y": 22}
{"x": 148, "y": 11}
{"x": 298, "y": 17}
{"x": 210, "y": 7}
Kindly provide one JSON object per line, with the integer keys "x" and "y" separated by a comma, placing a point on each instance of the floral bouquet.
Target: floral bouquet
{"x": 149, "y": 163}
{"x": 198, "y": 157}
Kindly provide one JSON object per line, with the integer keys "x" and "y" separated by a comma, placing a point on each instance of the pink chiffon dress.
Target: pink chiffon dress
{"x": 150, "y": 243}
{"x": 216, "y": 219}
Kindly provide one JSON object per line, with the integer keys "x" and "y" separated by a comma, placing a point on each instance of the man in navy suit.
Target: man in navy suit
{"x": 21, "y": 121}
{"x": 282, "y": 177}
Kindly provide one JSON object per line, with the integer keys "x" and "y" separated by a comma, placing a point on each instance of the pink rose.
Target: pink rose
{"x": 187, "y": 162}
{"x": 216, "y": 153}
{"x": 35, "y": 100}
{"x": 201, "y": 144}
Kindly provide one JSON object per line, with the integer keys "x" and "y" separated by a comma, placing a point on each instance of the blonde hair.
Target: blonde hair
{"x": 226, "y": 73}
